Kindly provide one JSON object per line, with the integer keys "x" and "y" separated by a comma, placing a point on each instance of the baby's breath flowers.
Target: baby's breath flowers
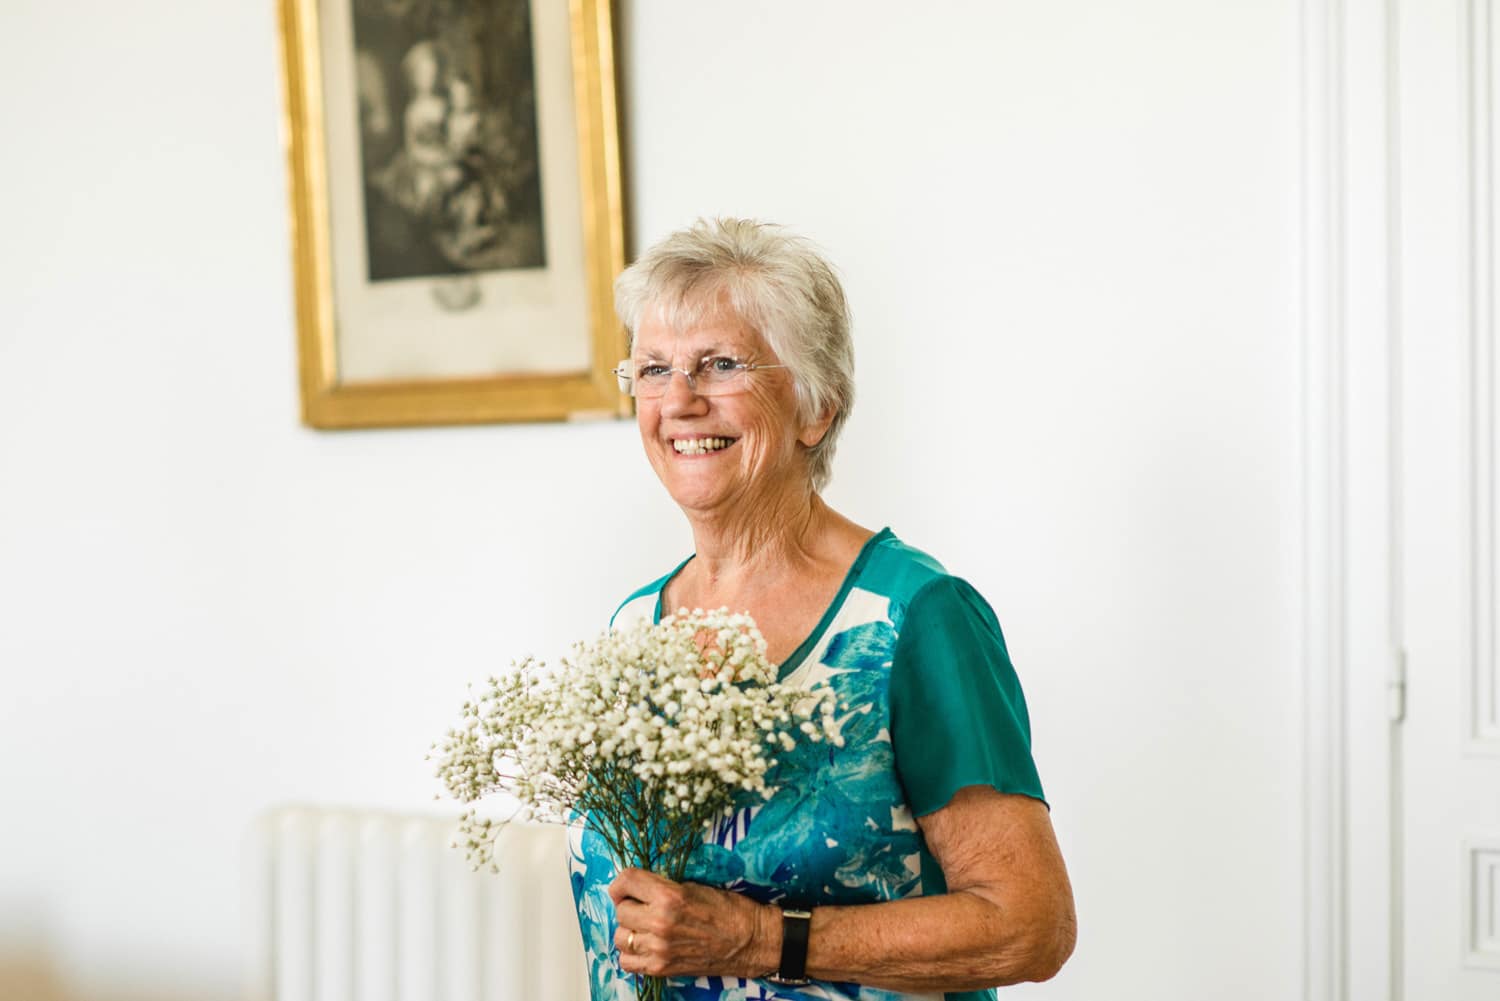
{"x": 648, "y": 733}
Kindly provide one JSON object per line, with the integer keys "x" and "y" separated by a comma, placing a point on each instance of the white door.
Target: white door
{"x": 1448, "y": 779}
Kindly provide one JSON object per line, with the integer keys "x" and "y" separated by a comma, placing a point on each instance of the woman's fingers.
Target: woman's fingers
{"x": 643, "y": 952}
{"x": 631, "y": 942}
{"x": 636, "y": 916}
{"x": 638, "y": 884}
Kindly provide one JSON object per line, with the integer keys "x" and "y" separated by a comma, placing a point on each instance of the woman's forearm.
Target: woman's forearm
{"x": 1007, "y": 916}
{"x": 954, "y": 941}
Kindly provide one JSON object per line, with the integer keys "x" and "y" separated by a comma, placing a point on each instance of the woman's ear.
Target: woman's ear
{"x": 813, "y": 432}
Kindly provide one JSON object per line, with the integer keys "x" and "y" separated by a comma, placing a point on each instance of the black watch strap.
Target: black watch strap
{"x": 794, "y": 927}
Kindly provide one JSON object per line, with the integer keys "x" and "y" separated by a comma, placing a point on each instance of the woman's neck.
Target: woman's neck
{"x": 794, "y": 536}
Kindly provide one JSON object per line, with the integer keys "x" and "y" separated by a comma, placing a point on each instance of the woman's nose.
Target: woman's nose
{"x": 681, "y": 397}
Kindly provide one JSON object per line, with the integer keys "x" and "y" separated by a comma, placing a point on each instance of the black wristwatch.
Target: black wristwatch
{"x": 792, "y": 972}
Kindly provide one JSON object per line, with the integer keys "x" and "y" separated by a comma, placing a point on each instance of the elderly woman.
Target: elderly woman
{"x": 918, "y": 860}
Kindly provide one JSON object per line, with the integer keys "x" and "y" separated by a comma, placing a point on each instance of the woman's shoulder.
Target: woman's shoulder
{"x": 896, "y": 569}
{"x": 911, "y": 579}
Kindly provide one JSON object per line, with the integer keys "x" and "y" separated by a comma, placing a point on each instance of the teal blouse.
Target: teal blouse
{"x": 929, "y": 704}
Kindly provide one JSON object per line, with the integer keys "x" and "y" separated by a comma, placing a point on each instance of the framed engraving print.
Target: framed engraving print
{"x": 456, "y": 216}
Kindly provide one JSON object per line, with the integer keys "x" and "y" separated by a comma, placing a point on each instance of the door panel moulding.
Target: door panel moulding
{"x": 1481, "y": 726}
{"x": 1481, "y": 861}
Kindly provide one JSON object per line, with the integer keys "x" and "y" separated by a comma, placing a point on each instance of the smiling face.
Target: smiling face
{"x": 722, "y": 455}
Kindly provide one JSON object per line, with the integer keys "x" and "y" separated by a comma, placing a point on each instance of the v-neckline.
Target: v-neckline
{"x": 795, "y": 658}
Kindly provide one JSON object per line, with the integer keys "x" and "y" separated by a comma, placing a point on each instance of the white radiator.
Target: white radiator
{"x": 365, "y": 906}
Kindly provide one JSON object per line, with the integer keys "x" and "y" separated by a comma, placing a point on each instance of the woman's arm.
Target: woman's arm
{"x": 1007, "y": 916}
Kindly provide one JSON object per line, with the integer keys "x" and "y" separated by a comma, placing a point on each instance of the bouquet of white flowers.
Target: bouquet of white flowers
{"x": 648, "y": 733}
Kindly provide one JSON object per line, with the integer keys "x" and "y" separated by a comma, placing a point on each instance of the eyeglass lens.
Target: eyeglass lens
{"x": 715, "y": 374}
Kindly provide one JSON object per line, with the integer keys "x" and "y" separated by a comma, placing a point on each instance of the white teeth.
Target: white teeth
{"x": 700, "y": 446}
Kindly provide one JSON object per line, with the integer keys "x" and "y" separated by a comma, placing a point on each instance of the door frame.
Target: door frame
{"x": 1353, "y": 671}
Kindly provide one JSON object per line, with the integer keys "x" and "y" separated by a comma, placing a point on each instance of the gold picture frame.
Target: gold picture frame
{"x": 482, "y": 341}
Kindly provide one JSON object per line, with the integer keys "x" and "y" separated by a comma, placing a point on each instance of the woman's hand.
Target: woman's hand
{"x": 669, "y": 929}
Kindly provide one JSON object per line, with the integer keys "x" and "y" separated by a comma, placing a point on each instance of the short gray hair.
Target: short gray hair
{"x": 779, "y": 284}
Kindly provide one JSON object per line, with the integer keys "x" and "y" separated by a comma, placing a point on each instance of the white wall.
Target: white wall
{"x": 1069, "y": 233}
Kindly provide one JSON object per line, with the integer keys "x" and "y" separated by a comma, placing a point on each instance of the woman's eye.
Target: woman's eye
{"x": 652, "y": 371}
{"x": 721, "y": 364}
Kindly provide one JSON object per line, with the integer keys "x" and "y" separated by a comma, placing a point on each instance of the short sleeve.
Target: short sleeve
{"x": 958, "y": 717}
